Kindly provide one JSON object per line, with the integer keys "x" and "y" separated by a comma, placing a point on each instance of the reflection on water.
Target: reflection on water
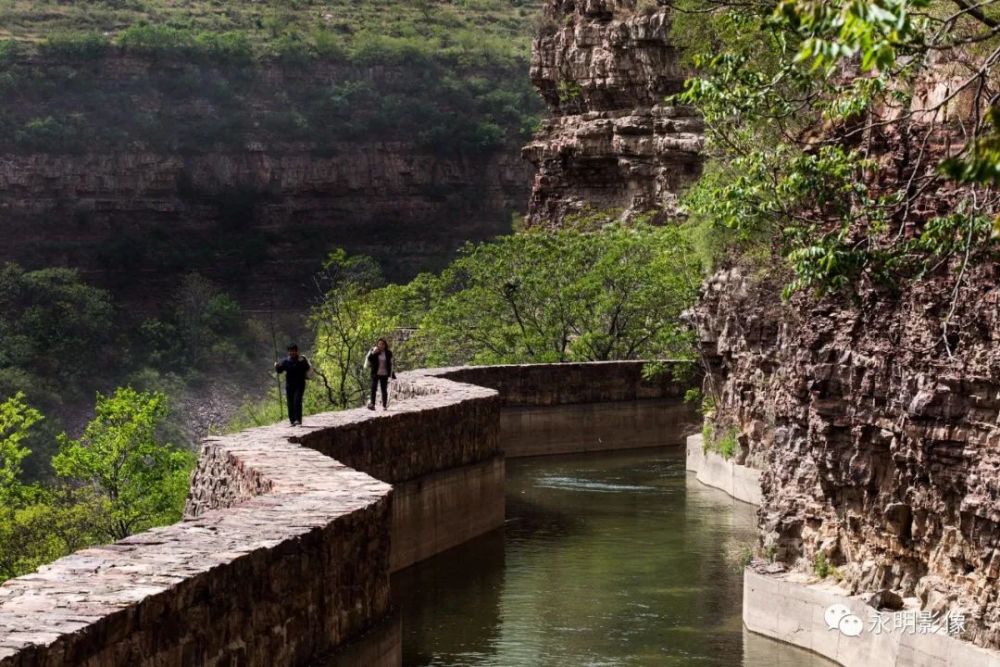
{"x": 608, "y": 559}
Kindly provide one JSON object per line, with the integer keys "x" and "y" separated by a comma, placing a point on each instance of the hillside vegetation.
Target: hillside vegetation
{"x": 273, "y": 27}
{"x": 203, "y": 76}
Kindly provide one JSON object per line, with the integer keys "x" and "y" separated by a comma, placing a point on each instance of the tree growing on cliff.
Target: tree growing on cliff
{"x": 828, "y": 125}
{"x": 132, "y": 480}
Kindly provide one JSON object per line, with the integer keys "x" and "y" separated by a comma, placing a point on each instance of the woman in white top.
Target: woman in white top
{"x": 379, "y": 363}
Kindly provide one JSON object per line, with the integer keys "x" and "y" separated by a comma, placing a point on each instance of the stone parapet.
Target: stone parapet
{"x": 739, "y": 481}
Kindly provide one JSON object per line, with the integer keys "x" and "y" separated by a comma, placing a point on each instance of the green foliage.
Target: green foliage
{"x": 539, "y": 296}
{"x": 354, "y": 313}
{"x": 201, "y": 329}
{"x": 981, "y": 163}
{"x": 873, "y": 31}
{"x": 53, "y": 332}
{"x": 16, "y": 418}
{"x": 821, "y": 566}
{"x": 450, "y": 80}
{"x": 75, "y": 46}
{"x": 564, "y": 295}
{"x": 707, "y": 436}
{"x": 117, "y": 479}
{"x": 787, "y": 91}
{"x": 693, "y": 396}
{"x": 9, "y": 51}
{"x": 137, "y": 481}
{"x": 726, "y": 446}
{"x": 49, "y": 525}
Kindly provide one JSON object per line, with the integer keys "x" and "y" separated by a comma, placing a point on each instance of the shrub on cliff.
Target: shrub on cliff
{"x": 828, "y": 123}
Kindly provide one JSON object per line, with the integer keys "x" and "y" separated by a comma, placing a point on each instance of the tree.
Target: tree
{"x": 135, "y": 480}
{"x": 829, "y": 124}
{"x": 348, "y": 320}
{"x": 566, "y": 295}
{"x": 16, "y": 419}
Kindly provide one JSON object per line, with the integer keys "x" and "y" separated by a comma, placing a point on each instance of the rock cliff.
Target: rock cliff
{"x": 259, "y": 222}
{"x": 605, "y": 68}
{"x": 137, "y": 169}
{"x": 876, "y": 427}
{"x": 876, "y": 422}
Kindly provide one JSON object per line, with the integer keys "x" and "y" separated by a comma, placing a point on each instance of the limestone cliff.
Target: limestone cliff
{"x": 138, "y": 169}
{"x": 876, "y": 426}
{"x": 604, "y": 68}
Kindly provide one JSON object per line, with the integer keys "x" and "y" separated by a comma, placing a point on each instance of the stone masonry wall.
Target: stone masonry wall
{"x": 278, "y": 579}
{"x": 284, "y": 554}
{"x": 529, "y": 385}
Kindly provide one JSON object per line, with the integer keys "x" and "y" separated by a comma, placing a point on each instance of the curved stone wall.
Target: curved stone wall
{"x": 290, "y": 534}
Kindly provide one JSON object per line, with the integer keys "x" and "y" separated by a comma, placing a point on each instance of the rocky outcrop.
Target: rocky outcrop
{"x": 876, "y": 426}
{"x": 605, "y": 68}
{"x": 248, "y": 174}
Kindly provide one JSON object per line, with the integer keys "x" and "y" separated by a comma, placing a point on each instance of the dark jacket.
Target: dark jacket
{"x": 372, "y": 362}
{"x": 295, "y": 371}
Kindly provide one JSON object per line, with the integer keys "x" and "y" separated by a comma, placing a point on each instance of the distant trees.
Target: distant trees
{"x": 118, "y": 479}
{"x": 595, "y": 293}
{"x": 53, "y": 332}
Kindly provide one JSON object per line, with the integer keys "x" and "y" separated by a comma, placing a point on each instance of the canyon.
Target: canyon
{"x": 249, "y": 174}
{"x": 873, "y": 423}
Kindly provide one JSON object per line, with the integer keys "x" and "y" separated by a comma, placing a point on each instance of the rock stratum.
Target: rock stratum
{"x": 613, "y": 142}
{"x": 137, "y": 170}
{"x": 880, "y": 447}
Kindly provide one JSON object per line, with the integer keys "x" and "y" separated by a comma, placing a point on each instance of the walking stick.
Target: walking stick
{"x": 277, "y": 378}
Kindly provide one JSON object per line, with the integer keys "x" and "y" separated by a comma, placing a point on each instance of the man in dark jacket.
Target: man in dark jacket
{"x": 295, "y": 367}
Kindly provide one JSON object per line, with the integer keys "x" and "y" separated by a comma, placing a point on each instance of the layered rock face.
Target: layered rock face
{"x": 258, "y": 222}
{"x": 876, "y": 427}
{"x": 224, "y": 182}
{"x": 604, "y": 68}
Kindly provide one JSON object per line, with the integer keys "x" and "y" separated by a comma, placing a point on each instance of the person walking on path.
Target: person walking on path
{"x": 379, "y": 363}
{"x": 296, "y": 368}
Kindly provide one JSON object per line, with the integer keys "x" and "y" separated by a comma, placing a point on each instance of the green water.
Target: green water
{"x": 610, "y": 559}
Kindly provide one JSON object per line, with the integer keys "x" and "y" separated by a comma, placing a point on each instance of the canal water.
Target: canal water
{"x": 605, "y": 559}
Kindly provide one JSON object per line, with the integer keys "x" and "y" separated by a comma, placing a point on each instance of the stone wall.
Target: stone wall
{"x": 584, "y": 407}
{"x": 289, "y": 538}
{"x": 533, "y": 385}
{"x": 275, "y": 580}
